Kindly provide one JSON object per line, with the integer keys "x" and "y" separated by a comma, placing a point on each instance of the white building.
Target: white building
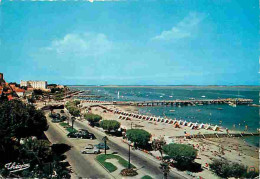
{"x": 34, "y": 84}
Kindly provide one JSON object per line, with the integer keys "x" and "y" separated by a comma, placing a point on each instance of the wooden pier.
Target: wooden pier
{"x": 237, "y": 101}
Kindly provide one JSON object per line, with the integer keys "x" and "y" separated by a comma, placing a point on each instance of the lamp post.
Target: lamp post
{"x": 105, "y": 141}
{"x": 72, "y": 122}
{"x": 129, "y": 164}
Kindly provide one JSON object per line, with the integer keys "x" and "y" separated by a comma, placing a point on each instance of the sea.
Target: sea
{"x": 233, "y": 118}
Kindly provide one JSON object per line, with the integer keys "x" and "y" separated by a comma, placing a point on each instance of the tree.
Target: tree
{"x": 72, "y": 108}
{"x": 18, "y": 120}
{"x": 110, "y": 125}
{"x": 183, "y": 154}
{"x": 74, "y": 111}
{"x": 92, "y": 118}
{"x": 139, "y": 136}
{"x": 38, "y": 92}
{"x": 226, "y": 169}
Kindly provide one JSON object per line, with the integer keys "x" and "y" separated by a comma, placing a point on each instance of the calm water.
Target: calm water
{"x": 235, "y": 118}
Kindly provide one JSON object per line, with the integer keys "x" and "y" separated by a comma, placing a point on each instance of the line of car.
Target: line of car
{"x": 82, "y": 134}
{"x": 89, "y": 149}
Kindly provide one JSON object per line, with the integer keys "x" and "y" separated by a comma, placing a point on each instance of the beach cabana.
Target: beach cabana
{"x": 151, "y": 118}
{"x": 181, "y": 122}
{"x": 208, "y": 127}
{"x": 216, "y": 128}
{"x": 185, "y": 123}
{"x": 193, "y": 127}
{"x": 162, "y": 120}
{"x": 119, "y": 117}
{"x": 201, "y": 126}
{"x": 166, "y": 120}
{"x": 176, "y": 125}
{"x": 158, "y": 120}
{"x": 170, "y": 121}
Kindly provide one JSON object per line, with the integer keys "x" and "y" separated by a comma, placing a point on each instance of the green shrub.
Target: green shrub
{"x": 183, "y": 154}
{"x": 226, "y": 169}
{"x": 110, "y": 125}
{"x": 93, "y": 119}
{"x": 72, "y": 108}
{"x": 139, "y": 136}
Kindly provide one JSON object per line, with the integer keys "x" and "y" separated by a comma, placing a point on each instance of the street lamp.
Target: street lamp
{"x": 105, "y": 141}
{"x": 129, "y": 164}
{"x": 72, "y": 122}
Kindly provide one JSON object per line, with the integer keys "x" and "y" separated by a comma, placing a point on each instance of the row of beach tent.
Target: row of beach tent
{"x": 176, "y": 123}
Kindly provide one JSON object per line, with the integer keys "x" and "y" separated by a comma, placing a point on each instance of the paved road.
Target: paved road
{"x": 83, "y": 167}
{"x": 150, "y": 166}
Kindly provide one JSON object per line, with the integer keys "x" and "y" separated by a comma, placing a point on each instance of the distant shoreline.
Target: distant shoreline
{"x": 168, "y": 85}
{"x": 251, "y": 87}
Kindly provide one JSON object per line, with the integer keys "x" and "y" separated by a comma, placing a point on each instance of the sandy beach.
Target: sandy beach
{"x": 233, "y": 149}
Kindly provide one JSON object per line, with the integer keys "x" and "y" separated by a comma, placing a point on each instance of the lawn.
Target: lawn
{"x": 69, "y": 129}
{"x": 109, "y": 166}
{"x": 64, "y": 124}
{"x": 146, "y": 177}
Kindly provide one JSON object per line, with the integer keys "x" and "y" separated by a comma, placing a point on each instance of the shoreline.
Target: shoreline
{"x": 233, "y": 149}
{"x": 134, "y": 109}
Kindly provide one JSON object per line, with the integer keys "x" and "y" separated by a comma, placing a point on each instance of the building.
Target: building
{"x": 34, "y": 84}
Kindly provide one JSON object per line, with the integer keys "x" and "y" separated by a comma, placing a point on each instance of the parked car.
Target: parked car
{"x": 63, "y": 118}
{"x": 81, "y": 134}
{"x": 93, "y": 150}
{"x": 101, "y": 146}
{"x": 56, "y": 120}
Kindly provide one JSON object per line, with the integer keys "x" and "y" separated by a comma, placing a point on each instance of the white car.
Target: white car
{"x": 90, "y": 150}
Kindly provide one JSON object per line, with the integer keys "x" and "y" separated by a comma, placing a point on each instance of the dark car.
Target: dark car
{"x": 63, "y": 118}
{"x": 81, "y": 134}
{"x": 101, "y": 146}
{"x": 56, "y": 120}
{"x": 72, "y": 135}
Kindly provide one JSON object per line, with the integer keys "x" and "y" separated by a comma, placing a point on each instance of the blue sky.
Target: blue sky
{"x": 171, "y": 42}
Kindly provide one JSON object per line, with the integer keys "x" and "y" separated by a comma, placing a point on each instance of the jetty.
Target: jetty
{"x": 193, "y": 102}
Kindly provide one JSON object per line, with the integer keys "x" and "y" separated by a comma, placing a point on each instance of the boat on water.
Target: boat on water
{"x": 172, "y": 110}
{"x": 191, "y": 98}
{"x": 200, "y": 104}
{"x": 170, "y": 96}
{"x": 203, "y": 96}
{"x": 161, "y": 96}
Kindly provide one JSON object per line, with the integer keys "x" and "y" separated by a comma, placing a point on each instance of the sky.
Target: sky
{"x": 131, "y": 42}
